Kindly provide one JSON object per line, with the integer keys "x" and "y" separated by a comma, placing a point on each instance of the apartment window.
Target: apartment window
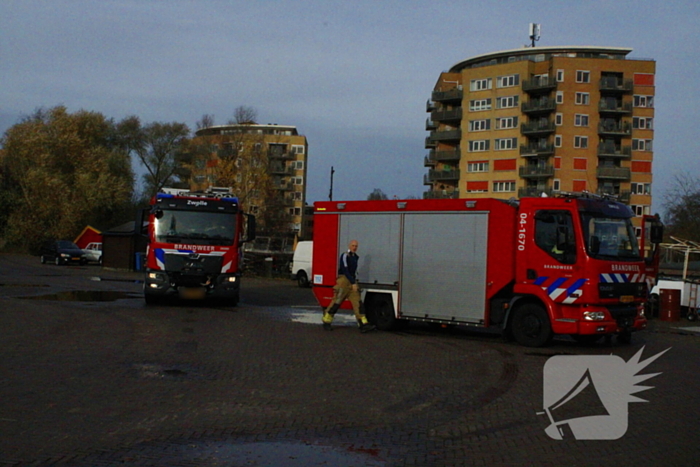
{"x": 503, "y": 144}
{"x": 557, "y": 141}
{"x": 581, "y": 120}
{"x": 507, "y": 102}
{"x": 479, "y": 104}
{"x": 643, "y": 101}
{"x": 583, "y": 76}
{"x": 642, "y": 123}
{"x": 297, "y": 180}
{"x": 583, "y": 98}
{"x": 296, "y": 196}
{"x": 556, "y": 185}
{"x": 506, "y": 122}
{"x": 559, "y": 119}
{"x": 560, "y": 76}
{"x": 298, "y": 165}
{"x": 640, "y": 210}
{"x": 641, "y": 144}
{"x": 297, "y": 149}
{"x": 478, "y": 166}
{"x": 581, "y": 142}
{"x": 479, "y": 145}
{"x": 504, "y": 186}
{"x": 480, "y": 84}
{"x": 508, "y": 81}
{"x": 479, "y": 125}
{"x": 641, "y": 188}
{"x": 477, "y": 187}
{"x": 559, "y": 99}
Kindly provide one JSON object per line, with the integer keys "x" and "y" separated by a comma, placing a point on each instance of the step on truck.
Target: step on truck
{"x": 531, "y": 268}
{"x": 194, "y": 245}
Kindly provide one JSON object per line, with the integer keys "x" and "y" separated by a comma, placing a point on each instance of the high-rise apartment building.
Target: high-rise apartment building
{"x": 242, "y": 155}
{"x": 540, "y": 120}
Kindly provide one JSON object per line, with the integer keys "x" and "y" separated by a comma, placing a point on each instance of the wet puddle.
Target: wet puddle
{"x": 84, "y": 296}
{"x": 290, "y": 454}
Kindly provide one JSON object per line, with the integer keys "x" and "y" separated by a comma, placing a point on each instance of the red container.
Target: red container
{"x": 670, "y": 306}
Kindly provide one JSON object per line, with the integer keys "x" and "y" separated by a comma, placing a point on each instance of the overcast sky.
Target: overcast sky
{"x": 352, "y": 76}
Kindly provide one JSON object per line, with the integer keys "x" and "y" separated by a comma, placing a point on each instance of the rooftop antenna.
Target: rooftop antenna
{"x": 534, "y": 33}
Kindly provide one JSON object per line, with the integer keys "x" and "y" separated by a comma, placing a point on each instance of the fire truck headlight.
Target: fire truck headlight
{"x": 593, "y": 315}
{"x": 152, "y": 275}
{"x": 231, "y": 278}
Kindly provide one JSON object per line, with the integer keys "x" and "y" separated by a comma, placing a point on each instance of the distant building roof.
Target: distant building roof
{"x": 268, "y": 129}
{"x": 540, "y": 54}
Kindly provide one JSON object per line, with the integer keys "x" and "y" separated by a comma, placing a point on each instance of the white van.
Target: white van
{"x": 301, "y": 263}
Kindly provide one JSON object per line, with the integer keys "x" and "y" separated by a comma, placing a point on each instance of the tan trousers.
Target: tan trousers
{"x": 343, "y": 290}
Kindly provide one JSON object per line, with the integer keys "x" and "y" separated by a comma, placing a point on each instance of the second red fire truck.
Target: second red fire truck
{"x": 194, "y": 245}
{"x": 532, "y": 268}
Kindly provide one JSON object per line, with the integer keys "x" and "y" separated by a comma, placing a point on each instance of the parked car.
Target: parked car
{"x": 301, "y": 263}
{"x": 62, "y": 252}
{"x": 93, "y": 252}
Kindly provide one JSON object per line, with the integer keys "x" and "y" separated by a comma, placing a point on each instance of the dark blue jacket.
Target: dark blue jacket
{"x": 348, "y": 266}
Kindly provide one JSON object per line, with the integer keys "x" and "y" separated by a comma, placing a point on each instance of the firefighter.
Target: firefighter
{"x": 346, "y": 286}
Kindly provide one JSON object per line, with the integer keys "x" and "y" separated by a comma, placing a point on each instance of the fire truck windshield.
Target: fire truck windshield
{"x": 610, "y": 238}
{"x": 195, "y": 227}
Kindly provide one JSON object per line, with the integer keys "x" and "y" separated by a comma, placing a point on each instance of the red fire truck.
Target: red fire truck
{"x": 194, "y": 246}
{"x": 532, "y": 268}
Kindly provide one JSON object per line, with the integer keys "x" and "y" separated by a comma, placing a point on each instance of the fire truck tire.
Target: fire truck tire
{"x": 151, "y": 299}
{"x": 380, "y": 311}
{"x": 530, "y": 326}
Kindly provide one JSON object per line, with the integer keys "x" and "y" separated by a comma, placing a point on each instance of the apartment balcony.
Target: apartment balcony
{"x": 534, "y": 192}
{"x": 430, "y": 106}
{"x": 538, "y": 106}
{"x": 616, "y": 85}
{"x": 531, "y": 150}
{"x": 429, "y": 143}
{"x": 283, "y": 155}
{"x": 611, "y": 150}
{"x": 440, "y": 176}
{"x": 622, "y": 196}
{"x": 280, "y": 169}
{"x": 430, "y": 125}
{"x": 541, "y": 85}
{"x": 613, "y": 173}
{"x": 283, "y": 186}
{"x": 452, "y": 95}
{"x": 446, "y": 135}
{"x": 537, "y": 128}
{"x": 450, "y": 155}
{"x": 441, "y": 194}
{"x": 617, "y": 109}
{"x": 615, "y": 129}
{"x": 536, "y": 171}
{"x": 454, "y": 115}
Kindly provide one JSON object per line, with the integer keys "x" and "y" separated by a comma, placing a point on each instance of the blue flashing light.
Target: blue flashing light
{"x": 164, "y": 195}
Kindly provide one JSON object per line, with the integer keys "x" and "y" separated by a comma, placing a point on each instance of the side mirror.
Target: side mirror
{"x": 656, "y": 233}
{"x": 594, "y": 245}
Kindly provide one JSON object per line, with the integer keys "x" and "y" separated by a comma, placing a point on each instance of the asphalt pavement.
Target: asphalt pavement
{"x": 91, "y": 376}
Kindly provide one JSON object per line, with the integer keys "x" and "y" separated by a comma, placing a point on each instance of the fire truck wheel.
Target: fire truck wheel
{"x": 531, "y": 326}
{"x": 380, "y": 311}
{"x": 151, "y": 299}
